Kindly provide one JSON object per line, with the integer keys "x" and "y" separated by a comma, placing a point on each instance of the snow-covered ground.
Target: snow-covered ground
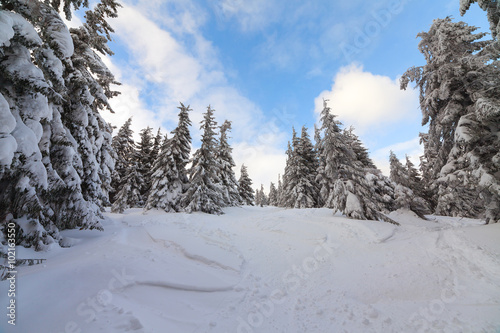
{"x": 264, "y": 270}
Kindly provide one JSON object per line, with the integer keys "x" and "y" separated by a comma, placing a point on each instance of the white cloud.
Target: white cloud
{"x": 367, "y": 101}
{"x": 264, "y": 163}
{"x": 412, "y": 148}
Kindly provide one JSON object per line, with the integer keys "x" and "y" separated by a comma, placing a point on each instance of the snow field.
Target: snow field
{"x": 264, "y": 270}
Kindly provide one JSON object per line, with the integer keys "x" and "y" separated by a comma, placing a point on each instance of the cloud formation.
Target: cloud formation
{"x": 367, "y": 101}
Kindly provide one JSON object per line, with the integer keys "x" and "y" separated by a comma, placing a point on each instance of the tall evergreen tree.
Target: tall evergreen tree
{"x": 129, "y": 181}
{"x": 56, "y": 172}
{"x": 404, "y": 194}
{"x": 204, "y": 191}
{"x": 169, "y": 179}
{"x": 331, "y": 130}
{"x": 356, "y": 191}
{"x": 145, "y": 161}
{"x": 245, "y": 187}
{"x": 228, "y": 182}
{"x": 273, "y": 195}
{"x": 125, "y": 150}
{"x": 459, "y": 89}
{"x": 279, "y": 192}
{"x": 155, "y": 149}
{"x": 307, "y": 165}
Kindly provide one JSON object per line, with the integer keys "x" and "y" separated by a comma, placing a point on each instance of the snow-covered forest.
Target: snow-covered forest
{"x": 69, "y": 181}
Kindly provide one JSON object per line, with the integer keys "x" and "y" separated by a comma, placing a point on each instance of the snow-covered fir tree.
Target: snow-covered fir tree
{"x": 306, "y": 189}
{"x": 204, "y": 192}
{"x": 404, "y": 194}
{"x": 291, "y": 174}
{"x": 56, "y": 155}
{"x": 258, "y": 197}
{"x": 145, "y": 160}
{"x": 279, "y": 192}
{"x": 129, "y": 194}
{"x": 126, "y": 154}
{"x": 459, "y": 98}
{"x": 320, "y": 169}
{"x": 261, "y": 199}
{"x": 330, "y": 128}
{"x": 273, "y": 195}
{"x": 356, "y": 191}
{"x": 155, "y": 149}
{"x": 169, "y": 178}
{"x": 245, "y": 187}
{"x": 228, "y": 182}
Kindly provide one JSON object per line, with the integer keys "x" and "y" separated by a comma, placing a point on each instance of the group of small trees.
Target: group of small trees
{"x": 153, "y": 174}
{"x": 335, "y": 173}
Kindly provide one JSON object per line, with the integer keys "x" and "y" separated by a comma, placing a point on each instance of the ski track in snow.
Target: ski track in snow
{"x": 265, "y": 270}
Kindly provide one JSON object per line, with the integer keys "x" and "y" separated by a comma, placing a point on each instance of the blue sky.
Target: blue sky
{"x": 266, "y": 65}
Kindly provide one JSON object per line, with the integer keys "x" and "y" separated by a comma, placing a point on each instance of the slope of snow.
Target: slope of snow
{"x": 264, "y": 270}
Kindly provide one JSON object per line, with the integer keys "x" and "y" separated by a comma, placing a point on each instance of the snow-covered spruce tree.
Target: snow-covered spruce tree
{"x": 356, "y": 191}
{"x": 459, "y": 89}
{"x": 258, "y": 197}
{"x": 330, "y": 128}
{"x": 145, "y": 161}
{"x": 204, "y": 192}
{"x": 353, "y": 141}
{"x": 287, "y": 177}
{"x": 155, "y": 149}
{"x": 129, "y": 194}
{"x": 320, "y": 169}
{"x": 245, "y": 187}
{"x": 228, "y": 182}
{"x": 415, "y": 181}
{"x": 169, "y": 176}
{"x": 129, "y": 179}
{"x": 404, "y": 194}
{"x": 279, "y": 192}
{"x": 292, "y": 173}
{"x": 263, "y": 199}
{"x": 273, "y": 195}
{"x": 306, "y": 189}
{"x": 52, "y": 177}
{"x": 124, "y": 147}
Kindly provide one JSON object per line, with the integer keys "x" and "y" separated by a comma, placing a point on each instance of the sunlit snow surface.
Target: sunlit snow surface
{"x": 264, "y": 270}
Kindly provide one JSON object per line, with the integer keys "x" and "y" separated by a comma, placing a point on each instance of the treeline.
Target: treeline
{"x": 152, "y": 172}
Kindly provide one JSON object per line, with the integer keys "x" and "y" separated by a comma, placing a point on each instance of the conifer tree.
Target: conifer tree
{"x": 356, "y": 191}
{"x": 124, "y": 146}
{"x": 279, "y": 192}
{"x": 404, "y": 194}
{"x": 273, "y": 195}
{"x": 55, "y": 173}
{"x": 204, "y": 191}
{"x": 228, "y": 182}
{"x": 263, "y": 199}
{"x": 145, "y": 161}
{"x": 155, "y": 149}
{"x": 169, "y": 179}
{"x": 306, "y": 188}
{"x": 459, "y": 89}
{"x": 245, "y": 187}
